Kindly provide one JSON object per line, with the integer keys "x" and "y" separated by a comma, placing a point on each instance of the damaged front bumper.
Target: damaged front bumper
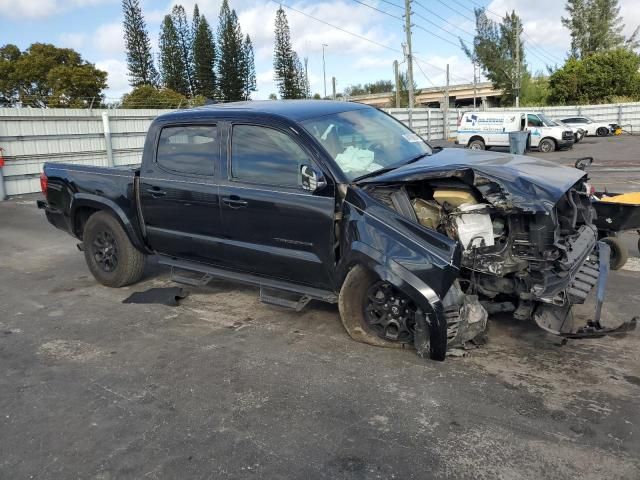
{"x": 560, "y": 320}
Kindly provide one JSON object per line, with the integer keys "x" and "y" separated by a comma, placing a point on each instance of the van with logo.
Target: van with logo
{"x": 483, "y": 130}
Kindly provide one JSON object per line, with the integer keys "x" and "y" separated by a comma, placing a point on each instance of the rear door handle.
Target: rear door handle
{"x": 156, "y": 192}
{"x": 234, "y": 202}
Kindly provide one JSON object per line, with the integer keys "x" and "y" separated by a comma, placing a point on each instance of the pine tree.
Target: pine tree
{"x": 249, "y": 69}
{"x": 172, "y": 67}
{"x": 596, "y": 26}
{"x": 185, "y": 42}
{"x": 204, "y": 58}
{"x": 139, "y": 58}
{"x": 195, "y": 21}
{"x": 286, "y": 64}
{"x": 230, "y": 55}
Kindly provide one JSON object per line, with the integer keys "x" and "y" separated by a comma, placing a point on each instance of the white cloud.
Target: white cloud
{"x": 118, "y": 82}
{"x": 109, "y": 39}
{"x": 42, "y": 8}
{"x": 72, "y": 40}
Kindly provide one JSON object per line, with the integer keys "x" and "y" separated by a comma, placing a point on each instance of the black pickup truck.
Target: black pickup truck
{"x": 340, "y": 202}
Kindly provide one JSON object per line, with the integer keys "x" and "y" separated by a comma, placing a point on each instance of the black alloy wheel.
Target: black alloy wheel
{"x": 389, "y": 313}
{"x": 105, "y": 251}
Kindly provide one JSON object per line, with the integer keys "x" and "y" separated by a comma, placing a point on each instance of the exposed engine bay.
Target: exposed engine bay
{"x": 534, "y": 264}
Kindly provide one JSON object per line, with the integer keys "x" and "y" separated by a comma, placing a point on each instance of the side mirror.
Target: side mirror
{"x": 312, "y": 178}
{"x": 583, "y": 163}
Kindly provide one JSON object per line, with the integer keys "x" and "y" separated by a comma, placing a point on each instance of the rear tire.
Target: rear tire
{"x": 547, "y": 145}
{"x": 619, "y": 252}
{"x": 477, "y": 145}
{"x": 352, "y": 304}
{"x": 602, "y": 132}
{"x": 110, "y": 255}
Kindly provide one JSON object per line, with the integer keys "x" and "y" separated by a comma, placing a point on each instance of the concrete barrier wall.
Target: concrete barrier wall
{"x": 31, "y": 137}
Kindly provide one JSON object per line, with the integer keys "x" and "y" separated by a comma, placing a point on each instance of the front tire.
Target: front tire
{"x": 110, "y": 255}
{"x": 368, "y": 313}
{"x": 602, "y": 132}
{"x": 547, "y": 145}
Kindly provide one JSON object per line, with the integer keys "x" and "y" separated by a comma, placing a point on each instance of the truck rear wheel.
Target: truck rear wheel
{"x": 374, "y": 312}
{"x": 110, "y": 255}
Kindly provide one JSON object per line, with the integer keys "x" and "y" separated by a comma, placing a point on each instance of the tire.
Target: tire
{"x": 351, "y": 303}
{"x": 547, "y": 145}
{"x": 477, "y": 145}
{"x": 602, "y": 132}
{"x": 110, "y": 255}
{"x": 619, "y": 252}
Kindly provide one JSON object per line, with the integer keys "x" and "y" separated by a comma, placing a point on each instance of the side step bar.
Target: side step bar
{"x": 266, "y": 285}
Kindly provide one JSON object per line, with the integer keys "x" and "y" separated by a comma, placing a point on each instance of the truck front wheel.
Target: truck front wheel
{"x": 374, "y": 311}
{"x": 547, "y": 145}
{"x": 110, "y": 255}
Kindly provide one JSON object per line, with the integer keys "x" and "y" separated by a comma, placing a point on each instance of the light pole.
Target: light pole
{"x": 324, "y": 71}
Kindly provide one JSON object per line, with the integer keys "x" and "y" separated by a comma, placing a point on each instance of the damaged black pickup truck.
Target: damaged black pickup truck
{"x": 340, "y": 202}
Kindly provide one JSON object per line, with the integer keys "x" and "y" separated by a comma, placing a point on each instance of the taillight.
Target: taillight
{"x": 43, "y": 183}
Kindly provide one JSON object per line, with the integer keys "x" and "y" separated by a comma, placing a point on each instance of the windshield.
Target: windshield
{"x": 547, "y": 121}
{"x": 365, "y": 141}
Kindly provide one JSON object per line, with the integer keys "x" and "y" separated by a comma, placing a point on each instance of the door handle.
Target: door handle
{"x": 156, "y": 192}
{"x": 234, "y": 202}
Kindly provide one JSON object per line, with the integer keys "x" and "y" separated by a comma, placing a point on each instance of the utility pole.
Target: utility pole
{"x": 517, "y": 86}
{"x": 307, "y": 90}
{"x": 324, "y": 71}
{"x": 333, "y": 86}
{"x": 475, "y": 85}
{"x": 446, "y": 107}
{"x": 397, "y": 79}
{"x": 407, "y": 29}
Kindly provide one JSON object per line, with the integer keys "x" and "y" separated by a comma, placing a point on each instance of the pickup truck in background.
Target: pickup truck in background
{"x": 340, "y": 202}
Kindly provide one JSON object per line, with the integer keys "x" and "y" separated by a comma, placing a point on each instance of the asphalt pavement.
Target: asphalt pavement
{"x": 225, "y": 387}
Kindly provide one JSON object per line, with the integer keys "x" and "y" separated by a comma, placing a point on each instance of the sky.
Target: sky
{"x": 361, "y": 42}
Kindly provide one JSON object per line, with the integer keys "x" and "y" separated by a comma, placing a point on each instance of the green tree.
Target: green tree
{"x": 596, "y": 26}
{"x": 230, "y": 63}
{"x": 286, "y": 65}
{"x": 403, "y": 80}
{"x": 273, "y": 96}
{"x": 599, "y": 78}
{"x": 204, "y": 59}
{"x": 494, "y": 49}
{"x": 185, "y": 43}
{"x": 44, "y": 75}
{"x": 172, "y": 68}
{"x": 248, "y": 68}
{"x": 379, "y": 86}
{"x": 9, "y": 56}
{"x": 142, "y": 71}
{"x": 148, "y": 96}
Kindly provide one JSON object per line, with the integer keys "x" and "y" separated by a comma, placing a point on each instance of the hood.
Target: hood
{"x": 518, "y": 181}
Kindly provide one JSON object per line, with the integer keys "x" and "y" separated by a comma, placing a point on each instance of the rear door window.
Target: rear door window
{"x": 190, "y": 149}
{"x": 266, "y": 156}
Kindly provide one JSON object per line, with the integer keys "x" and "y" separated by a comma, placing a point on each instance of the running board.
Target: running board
{"x": 209, "y": 272}
{"x": 294, "y": 301}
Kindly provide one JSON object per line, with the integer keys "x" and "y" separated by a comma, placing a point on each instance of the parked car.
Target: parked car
{"x": 481, "y": 130}
{"x": 591, "y": 127}
{"x": 578, "y": 133}
{"x": 342, "y": 203}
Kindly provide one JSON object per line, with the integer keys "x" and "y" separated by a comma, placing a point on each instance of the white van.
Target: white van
{"x": 480, "y": 130}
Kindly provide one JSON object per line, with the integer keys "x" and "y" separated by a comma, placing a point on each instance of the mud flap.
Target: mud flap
{"x": 553, "y": 318}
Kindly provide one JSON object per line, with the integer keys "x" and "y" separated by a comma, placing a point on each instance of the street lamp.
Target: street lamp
{"x": 324, "y": 71}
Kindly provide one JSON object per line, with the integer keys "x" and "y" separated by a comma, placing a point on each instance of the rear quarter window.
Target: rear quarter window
{"x": 188, "y": 149}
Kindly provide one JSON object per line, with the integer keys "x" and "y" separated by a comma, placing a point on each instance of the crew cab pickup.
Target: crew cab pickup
{"x": 340, "y": 202}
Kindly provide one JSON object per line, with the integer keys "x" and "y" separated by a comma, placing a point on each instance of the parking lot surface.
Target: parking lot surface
{"x": 225, "y": 387}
